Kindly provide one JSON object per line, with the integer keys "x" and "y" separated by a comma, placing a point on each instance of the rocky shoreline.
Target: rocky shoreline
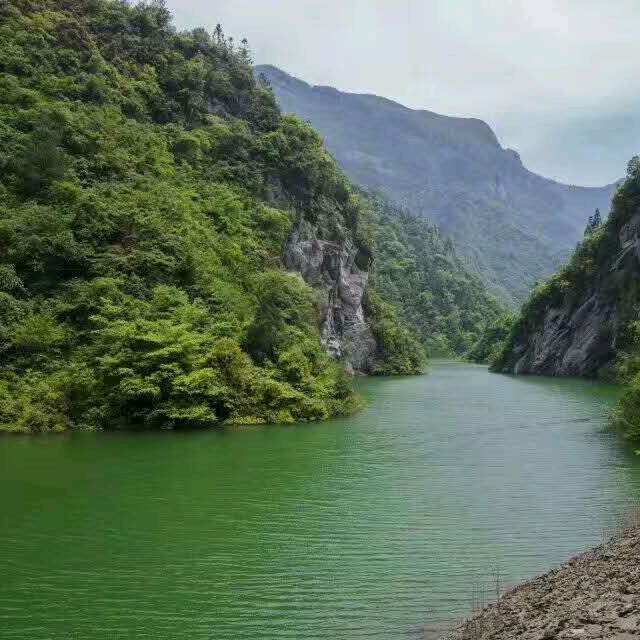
{"x": 593, "y": 595}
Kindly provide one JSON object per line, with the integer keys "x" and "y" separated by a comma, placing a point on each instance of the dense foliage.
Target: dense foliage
{"x": 490, "y": 344}
{"x": 626, "y": 416}
{"x": 417, "y": 270}
{"x": 513, "y": 225}
{"x": 399, "y": 351}
{"x": 599, "y": 262}
{"x": 148, "y": 183}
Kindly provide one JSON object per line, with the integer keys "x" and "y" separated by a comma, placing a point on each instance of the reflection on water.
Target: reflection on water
{"x": 377, "y": 526}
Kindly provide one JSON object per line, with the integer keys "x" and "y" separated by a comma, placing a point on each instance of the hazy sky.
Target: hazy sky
{"x": 558, "y": 80}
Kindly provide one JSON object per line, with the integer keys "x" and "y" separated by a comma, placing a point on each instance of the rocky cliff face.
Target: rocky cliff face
{"x": 513, "y": 225}
{"x": 576, "y": 329}
{"x": 569, "y": 342}
{"x": 339, "y": 270}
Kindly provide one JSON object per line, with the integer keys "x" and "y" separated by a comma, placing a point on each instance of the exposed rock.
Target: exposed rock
{"x": 512, "y": 225}
{"x": 594, "y": 595}
{"x": 569, "y": 341}
{"x": 339, "y": 270}
{"x": 578, "y": 337}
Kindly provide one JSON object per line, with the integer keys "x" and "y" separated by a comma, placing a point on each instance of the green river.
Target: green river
{"x": 377, "y": 526}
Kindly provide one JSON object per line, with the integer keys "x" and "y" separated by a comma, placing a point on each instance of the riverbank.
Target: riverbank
{"x": 594, "y": 595}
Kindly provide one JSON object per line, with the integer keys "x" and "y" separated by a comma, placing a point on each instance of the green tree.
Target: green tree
{"x": 594, "y": 223}
{"x": 147, "y": 185}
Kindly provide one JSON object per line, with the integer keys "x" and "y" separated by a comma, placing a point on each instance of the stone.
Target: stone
{"x": 338, "y": 270}
{"x": 582, "y": 599}
{"x": 577, "y": 337}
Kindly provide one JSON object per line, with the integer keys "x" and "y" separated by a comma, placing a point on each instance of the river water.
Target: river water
{"x": 382, "y": 525}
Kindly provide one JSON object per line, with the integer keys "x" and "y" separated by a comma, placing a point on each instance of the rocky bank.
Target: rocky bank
{"x": 594, "y": 595}
{"x": 577, "y": 329}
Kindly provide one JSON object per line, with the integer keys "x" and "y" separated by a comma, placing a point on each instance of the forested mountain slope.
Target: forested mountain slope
{"x": 514, "y": 225}
{"x": 176, "y": 253}
{"x": 152, "y": 198}
{"x": 584, "y": 320}
{"x": 417, "y": 269}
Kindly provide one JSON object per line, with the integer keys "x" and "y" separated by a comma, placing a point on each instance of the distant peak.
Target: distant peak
{"x": 270, "y": 70}
{"x": 474, "y": 128}
{"x": 515, "y": 155}
{"x": 280, "y": 77}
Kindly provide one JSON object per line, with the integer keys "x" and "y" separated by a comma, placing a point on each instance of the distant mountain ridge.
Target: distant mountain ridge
{"x": 513, "y": 225}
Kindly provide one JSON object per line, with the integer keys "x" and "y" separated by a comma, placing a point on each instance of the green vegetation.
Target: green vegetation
{"x": 626, "y": 416}
{"x": 399, "y": 349}
{"x": 417, "y": 270}
{"x": 490, "y": 344}
{"x": 599, "y": 262}
{"x": 148, "y": 183}
{"x": 594, "y": 223}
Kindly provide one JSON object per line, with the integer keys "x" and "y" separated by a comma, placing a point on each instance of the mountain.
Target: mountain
{"x": 513, "y": 225}
{"x": 417, "y": 269}
{"x": 584, "y": 320}
{"x": 173, "y": 251}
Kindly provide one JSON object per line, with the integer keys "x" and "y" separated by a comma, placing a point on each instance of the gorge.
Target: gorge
{"x": 236, "y": 400}
{"x": 512, "y": 225}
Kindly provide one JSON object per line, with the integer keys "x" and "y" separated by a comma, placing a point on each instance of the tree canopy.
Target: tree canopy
{"x": 148, "y": 183}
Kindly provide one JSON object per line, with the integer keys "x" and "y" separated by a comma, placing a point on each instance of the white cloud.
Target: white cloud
{"x": 549, "y": 75}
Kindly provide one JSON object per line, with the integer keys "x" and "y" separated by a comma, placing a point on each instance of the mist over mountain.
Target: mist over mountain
{"x": 513, "y": 225}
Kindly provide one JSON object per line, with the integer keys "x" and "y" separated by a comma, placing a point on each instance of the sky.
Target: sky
{"x": 557, "y": 80}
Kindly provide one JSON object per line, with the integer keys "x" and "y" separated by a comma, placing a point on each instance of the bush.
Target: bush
{"x": 626, "y": 416}
{"x": 488, "y": 347}
{"x": 399, "y": 351}
{"x": 139, "y": 240}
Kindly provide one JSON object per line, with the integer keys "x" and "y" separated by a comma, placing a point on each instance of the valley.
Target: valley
{"x": 282, "y": 361}
{"x": 513, "y": 226}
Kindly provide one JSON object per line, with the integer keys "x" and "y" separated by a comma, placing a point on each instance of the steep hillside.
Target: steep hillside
{"x": 417, "y": 269}
{"x": 513, "y": 225}
{"x": 584, "y": 320}
{"x": 152, "y": 199}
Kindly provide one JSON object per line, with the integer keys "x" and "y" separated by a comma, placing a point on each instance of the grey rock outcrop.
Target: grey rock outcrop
{"x": 339, "y": 271}
{"x": 593, "y": 596}
{"x": 579, "y": 336}
{"x": 569, "y": 343}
